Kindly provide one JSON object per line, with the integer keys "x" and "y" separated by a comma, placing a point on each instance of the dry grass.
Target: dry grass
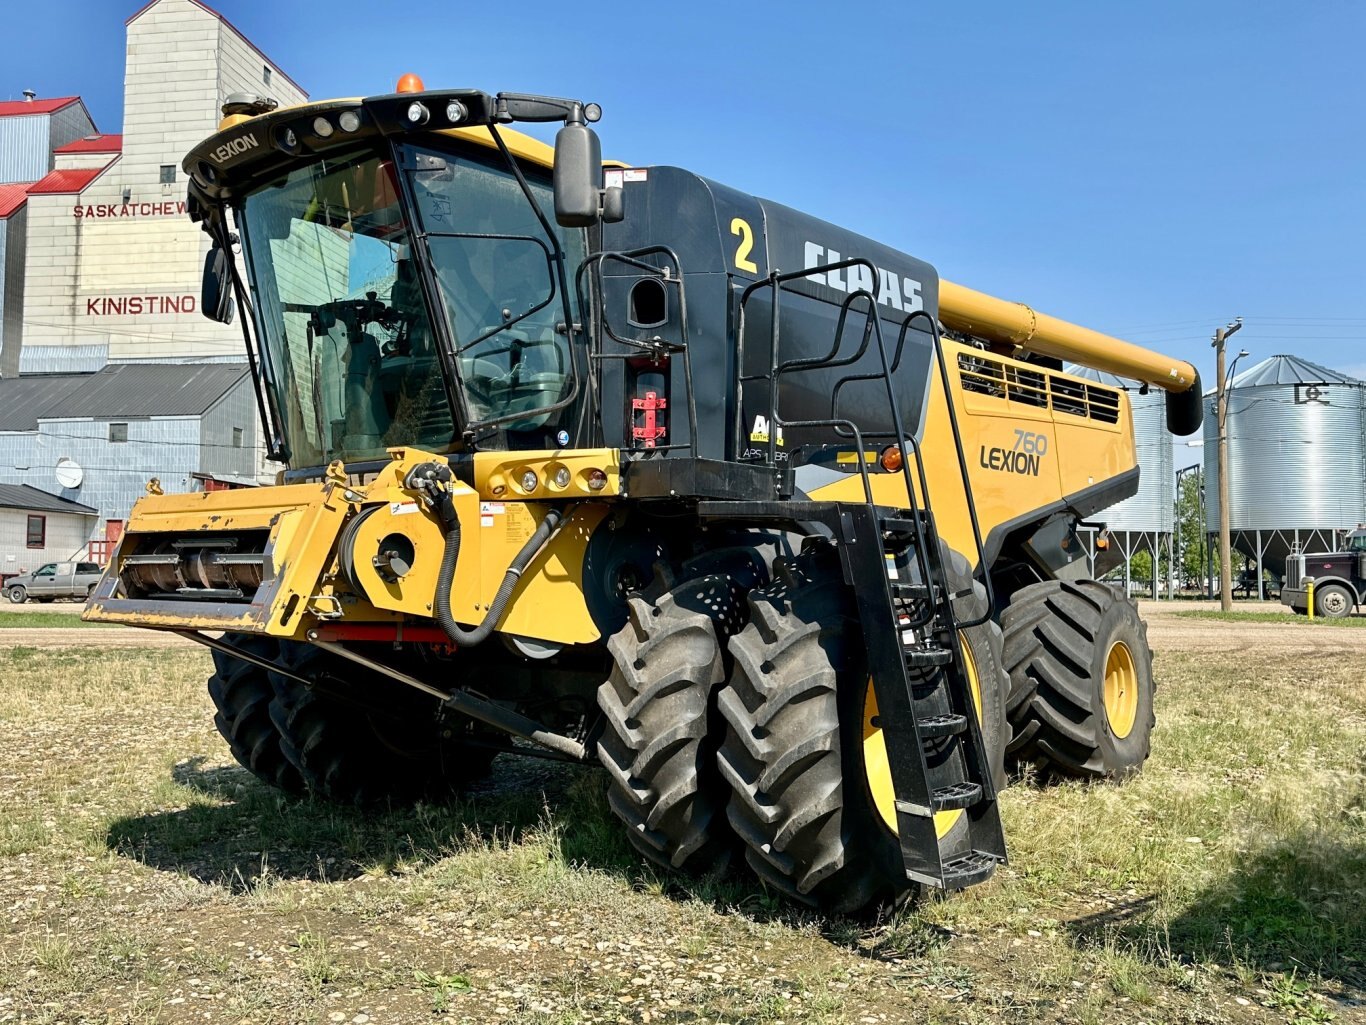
{"x": 145, "y": 878}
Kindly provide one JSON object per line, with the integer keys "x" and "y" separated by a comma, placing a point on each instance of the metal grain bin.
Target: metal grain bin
{"x": 1151, "y": 510}
{"x": 1297, "y": 454}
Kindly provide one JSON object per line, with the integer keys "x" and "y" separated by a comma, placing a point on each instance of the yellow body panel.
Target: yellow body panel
{"x": 303, "y": 521}
{"x": 1080, "y": 452}
{"x": 498, "y": 475}
{"x": 306, "y": 523}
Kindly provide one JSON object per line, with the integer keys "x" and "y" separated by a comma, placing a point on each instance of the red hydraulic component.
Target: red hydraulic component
{"x": 652, "y": 430}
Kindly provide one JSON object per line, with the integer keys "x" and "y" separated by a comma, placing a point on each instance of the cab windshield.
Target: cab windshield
{"x": 353, "y": 364}
{"x": 1356, "y": 542}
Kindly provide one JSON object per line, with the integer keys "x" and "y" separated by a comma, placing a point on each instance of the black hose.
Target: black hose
{"x": 451, "y": 523}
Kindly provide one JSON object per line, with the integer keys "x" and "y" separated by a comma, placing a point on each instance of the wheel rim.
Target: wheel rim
{"x": 1334, "y": 602}
{"x": 877, "y": 769}
{"x": 1121, "y": 689}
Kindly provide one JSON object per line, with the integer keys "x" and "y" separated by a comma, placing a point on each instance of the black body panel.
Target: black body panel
{"x": 723, "y": 242}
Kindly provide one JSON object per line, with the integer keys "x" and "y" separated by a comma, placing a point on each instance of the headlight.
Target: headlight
{"x": 529, "y": 481}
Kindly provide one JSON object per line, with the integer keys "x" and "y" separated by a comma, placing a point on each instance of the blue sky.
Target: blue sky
{"x": 1150, "y": 170}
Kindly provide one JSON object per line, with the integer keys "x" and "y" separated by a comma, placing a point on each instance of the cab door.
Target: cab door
{"x": 44, "y": 581}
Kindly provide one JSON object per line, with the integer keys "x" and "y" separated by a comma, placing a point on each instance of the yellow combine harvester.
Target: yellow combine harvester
{"x": 625, "y": 465}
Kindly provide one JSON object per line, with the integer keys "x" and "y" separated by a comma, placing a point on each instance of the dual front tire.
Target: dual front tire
{"x": 346, "y": 739}
{"x": 794, "y": 760}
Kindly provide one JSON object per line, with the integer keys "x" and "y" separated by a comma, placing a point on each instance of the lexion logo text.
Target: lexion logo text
{"x": 233, "y": 147}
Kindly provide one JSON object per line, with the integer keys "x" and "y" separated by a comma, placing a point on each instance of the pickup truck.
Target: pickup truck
{"x": 54, "y": 580}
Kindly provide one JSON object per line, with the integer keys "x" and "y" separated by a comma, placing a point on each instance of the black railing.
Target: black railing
{"x": 657, "y": 349}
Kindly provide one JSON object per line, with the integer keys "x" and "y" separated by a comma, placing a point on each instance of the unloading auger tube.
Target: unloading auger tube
{"x": 996, "y": 320}
{"x": 431, "y": 479}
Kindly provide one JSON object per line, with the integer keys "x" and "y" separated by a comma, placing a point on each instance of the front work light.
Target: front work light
{"x": 322, "y": 127}
{"x": 418, "y": 113}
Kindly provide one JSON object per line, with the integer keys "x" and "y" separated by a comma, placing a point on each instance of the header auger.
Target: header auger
{"x": 635, "y": 468}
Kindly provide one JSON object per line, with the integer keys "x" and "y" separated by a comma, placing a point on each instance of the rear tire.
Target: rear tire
{"x": 1081, "y": 679}
{"x": 1333, "y": 601}
{"x": 661, "y": 725}
{"x": 794, "y": 748}
{"x": 383, "y": 746}
{"x": 241, "y": 692}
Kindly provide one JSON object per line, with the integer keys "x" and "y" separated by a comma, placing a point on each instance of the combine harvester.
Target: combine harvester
{"x": 625, "y": 465}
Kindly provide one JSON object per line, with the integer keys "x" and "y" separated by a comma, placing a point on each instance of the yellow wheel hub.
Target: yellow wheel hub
{"x": 876, "y": 767}
{"x": 1121, "y": 689}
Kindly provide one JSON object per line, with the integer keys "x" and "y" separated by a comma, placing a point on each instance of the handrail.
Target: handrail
{"x": 927, "y": 561}
{"x": 657, "y": 347}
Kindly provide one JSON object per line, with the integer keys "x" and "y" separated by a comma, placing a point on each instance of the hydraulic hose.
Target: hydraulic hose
{"x": 429, "y": 478}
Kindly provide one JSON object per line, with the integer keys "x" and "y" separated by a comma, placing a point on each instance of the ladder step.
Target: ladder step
{"x": 897, "y": 525}
{"x": 956, "y": 795}
{"x": 934, "y": 726}
{"x": 927, "y": 658}
{"x": 908, "y": 591}
{"x": 967, "y": 869}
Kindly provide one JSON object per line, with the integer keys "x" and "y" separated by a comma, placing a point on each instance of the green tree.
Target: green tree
{"x": 1190, "y": 530}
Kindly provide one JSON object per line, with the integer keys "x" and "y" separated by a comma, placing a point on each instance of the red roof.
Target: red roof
{"x": 12, "y": 197}
{"x": 74, "y": 180}
{"x": 93, "y": 144}
{"x": 18, "y": 108}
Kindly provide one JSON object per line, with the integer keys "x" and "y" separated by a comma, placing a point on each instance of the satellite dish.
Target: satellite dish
{"x": 69, "y": 473}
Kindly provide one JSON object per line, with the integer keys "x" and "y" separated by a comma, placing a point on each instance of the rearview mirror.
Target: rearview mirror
{"x": 578, "y": 176}
{"x": 215, "y": 294}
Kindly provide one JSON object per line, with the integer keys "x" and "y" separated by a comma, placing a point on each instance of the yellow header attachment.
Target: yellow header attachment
{"x": 984, "y": 316}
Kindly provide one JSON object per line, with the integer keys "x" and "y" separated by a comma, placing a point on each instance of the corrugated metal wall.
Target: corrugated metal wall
{"x": 116, "y": 474}
{"x": 1292, "y": 464}
{"x": 218, "y": 452}
{"x": 25, "y": 149}
{"x": 64, "y": 359}
{"x": 69, "y": 124}
{"x": 13, "y": 247}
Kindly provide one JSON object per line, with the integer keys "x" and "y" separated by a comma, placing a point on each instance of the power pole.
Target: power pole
{"x": 1221, "y": 414}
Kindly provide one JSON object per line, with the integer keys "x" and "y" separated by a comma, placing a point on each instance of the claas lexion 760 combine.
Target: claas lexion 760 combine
{"x": 618, "y": 464}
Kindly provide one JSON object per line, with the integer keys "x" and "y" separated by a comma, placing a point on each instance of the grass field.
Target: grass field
{"x": 145, "y": 878}
{"x": 40, "y": 620}
{"x": 1270, "y": 617}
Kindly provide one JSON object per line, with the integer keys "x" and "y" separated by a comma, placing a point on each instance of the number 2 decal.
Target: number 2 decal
{"x": 740, "y": 226}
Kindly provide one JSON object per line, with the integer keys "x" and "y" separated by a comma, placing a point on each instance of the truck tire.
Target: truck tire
{"x": 802, "y": 799}
{"x": 17, "y": 594}
{"x": 1081, "y": 679}
{"x": 1333, "y": 601}
{"x": 661, "y": 727}
{"x": 241, "y": 692}
{"x": 382, "y": 746}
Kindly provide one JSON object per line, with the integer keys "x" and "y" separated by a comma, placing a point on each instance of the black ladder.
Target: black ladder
{"x": 924, "y": 692}
{"x": 894, "y": 562}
